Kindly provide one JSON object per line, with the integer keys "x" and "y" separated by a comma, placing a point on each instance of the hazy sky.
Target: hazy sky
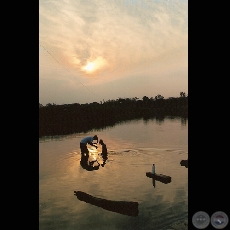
{"x": 90, "y": 50}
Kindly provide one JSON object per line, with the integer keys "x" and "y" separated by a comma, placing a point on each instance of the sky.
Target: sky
{"x": 100, "y": 50}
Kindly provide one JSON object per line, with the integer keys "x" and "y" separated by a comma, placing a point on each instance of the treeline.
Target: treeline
{"x": 75, "y": 118}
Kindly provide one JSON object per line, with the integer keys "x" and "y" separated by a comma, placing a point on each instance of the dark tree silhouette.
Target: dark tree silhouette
{"x": 70, "y": 118}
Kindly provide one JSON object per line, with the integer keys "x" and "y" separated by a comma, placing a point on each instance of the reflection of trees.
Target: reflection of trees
{"x": 70, "y": 118}
{"x": 183, "y": 121}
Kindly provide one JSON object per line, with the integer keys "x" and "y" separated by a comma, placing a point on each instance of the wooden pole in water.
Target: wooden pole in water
{"x": 154, "y": 182}
{"x": 153, "y": 169}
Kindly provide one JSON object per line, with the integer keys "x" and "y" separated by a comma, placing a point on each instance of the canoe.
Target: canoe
{"x": 129, "y": 208}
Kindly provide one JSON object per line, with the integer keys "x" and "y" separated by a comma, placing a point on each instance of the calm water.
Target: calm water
{"x": 132, "y": 149}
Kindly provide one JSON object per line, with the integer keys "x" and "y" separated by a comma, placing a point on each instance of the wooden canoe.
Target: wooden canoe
{"x": 123, "y": 207}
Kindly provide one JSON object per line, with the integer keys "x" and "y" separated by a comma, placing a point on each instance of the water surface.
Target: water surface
{"x": 132, "y": 149}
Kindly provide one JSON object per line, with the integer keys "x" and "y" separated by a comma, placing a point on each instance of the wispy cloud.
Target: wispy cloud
{"x": 115, "y": 35}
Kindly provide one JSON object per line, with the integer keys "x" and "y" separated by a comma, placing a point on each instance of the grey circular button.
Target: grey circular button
{"x": 219, "y": 220}
{"x": 201, "y": 220}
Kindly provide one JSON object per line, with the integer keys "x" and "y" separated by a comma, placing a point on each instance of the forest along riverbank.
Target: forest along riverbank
{"x": 76, "y": 118}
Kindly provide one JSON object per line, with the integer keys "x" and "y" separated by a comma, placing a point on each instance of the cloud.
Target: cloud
{"x": 92, "y": 42}
{"x": 119, "y": 32}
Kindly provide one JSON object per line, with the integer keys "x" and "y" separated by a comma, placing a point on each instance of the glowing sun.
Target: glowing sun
{"x": 89, "y": 67}
{"x": 94, "y": 65}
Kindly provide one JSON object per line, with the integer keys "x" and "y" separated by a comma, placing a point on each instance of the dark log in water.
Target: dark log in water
{"x": 123, "y": 207}
{"x": 184, "y": 163}
{"x": 160, "y": 177}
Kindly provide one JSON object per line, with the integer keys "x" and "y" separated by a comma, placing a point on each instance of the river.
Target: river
{"x": 133, "y": 147}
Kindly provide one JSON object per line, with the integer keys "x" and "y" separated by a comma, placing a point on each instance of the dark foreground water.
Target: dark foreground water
{"x": 133, "y": 147}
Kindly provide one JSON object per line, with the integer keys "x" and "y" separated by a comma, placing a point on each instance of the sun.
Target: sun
{"x": 89, "y": 67}
{"x": 94, "y": 65}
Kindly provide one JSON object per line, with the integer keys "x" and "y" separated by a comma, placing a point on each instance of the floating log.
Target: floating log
{"x": 184, "y": 163}
{"x": 160, "y": 177}
{"x": 123, "y": 207}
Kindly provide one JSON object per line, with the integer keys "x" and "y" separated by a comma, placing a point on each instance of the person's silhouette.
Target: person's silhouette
{"x": 104, "y": 152}
{"x": 87, "y": 140}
